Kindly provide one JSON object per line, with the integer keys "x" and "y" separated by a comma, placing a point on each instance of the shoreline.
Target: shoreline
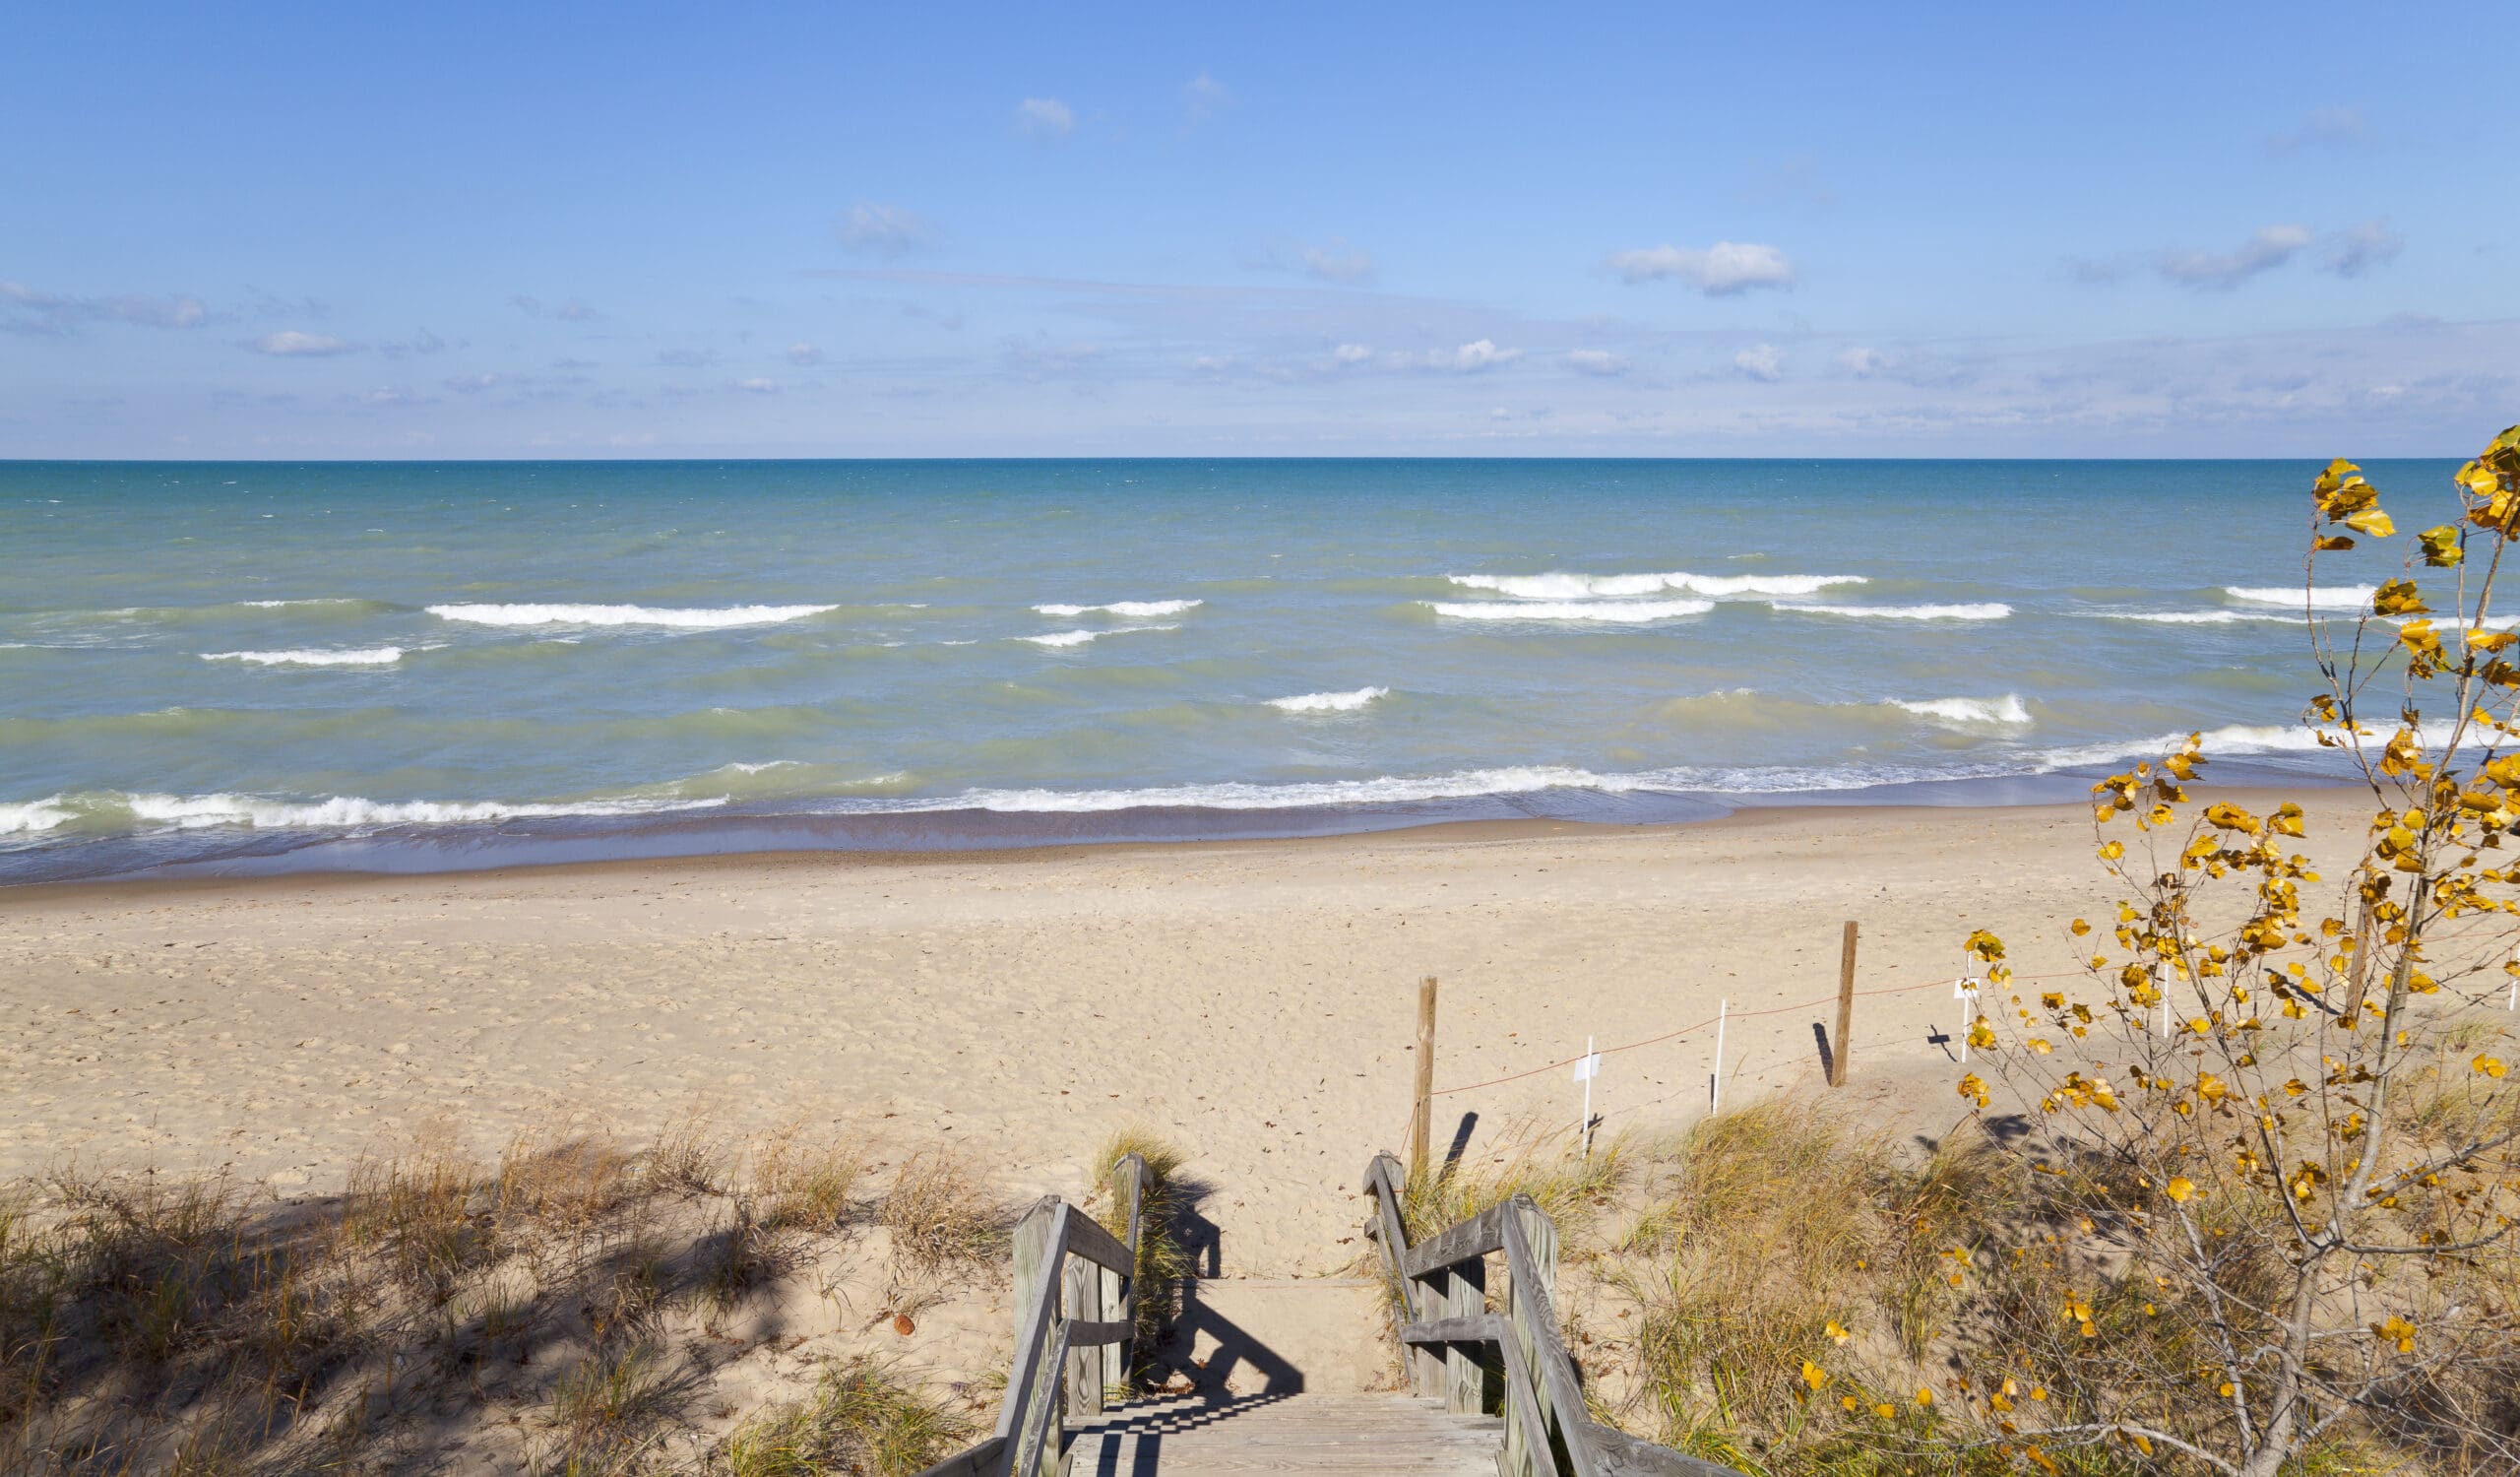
{"x": 1253, "y": 1000}
{"x": 500, "y": 846}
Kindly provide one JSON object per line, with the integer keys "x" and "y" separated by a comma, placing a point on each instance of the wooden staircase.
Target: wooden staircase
{"x": 1287, "y": 1377}
{"x": 1266, "y": 1436}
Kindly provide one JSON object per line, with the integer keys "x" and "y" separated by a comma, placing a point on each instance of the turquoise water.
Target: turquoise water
{"x": 421, "y": 665}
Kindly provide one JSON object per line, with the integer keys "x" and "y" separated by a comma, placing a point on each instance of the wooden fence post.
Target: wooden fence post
{"x": 1845, "y": 1044}
{"x": 1423, "y": 1122}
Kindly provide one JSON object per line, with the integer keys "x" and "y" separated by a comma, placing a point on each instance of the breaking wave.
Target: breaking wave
{"x": 2195, "y": 618}
{"x": 1078, "y": 638}
{"x": 1133, "y": 608}
{"x": 375, "y": 655}
{"x": 1560, "y": 586}
{"x": 1627, "y": 612}
{"x": 2336, "y": 598}
{"x": 1980, "y": 611}
{"x": 2005, "y": 709}
{"x": 702, "y": 619}
{"x": 1329, "y": 702}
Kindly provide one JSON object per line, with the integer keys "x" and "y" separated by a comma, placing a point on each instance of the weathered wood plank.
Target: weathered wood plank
{"x": 1526, "y": 1452}
{"x": 1098, "y": 1246}
{"x": 1035, "y": 1299}
{"x": 1451, "y": 1330}
{"x": 1616, "y": 1453}
{"x": 1464, "y": 1379}
{"x": 1475, "y": 1237}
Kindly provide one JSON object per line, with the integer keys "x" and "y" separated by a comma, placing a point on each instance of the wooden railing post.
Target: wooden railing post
{"x": 1422, "y": 1118}
{"x": 1843, "y": 1046}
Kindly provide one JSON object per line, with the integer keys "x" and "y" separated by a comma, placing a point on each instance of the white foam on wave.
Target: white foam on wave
{"x": 320, "y": 600}
{"x": 1627, "y": 611}
{"x": 2335, "y": 598}
{"x": 2245, "y": 738}
{"x": 1078, "y": 638}
{"x": 2008, "y": 709}
{"x": 2195, "y": 618}
{"x": 1329, "y": 702}
{"x": 33, "y": 816}
{"x": 1564, "y": 586}
{"x": 374, "y": 656}
{"x": 699, "y": 618}
{"x": 1979, "y": 610}
{"x": 1132, "y": 608}
{"x": 350, "y": 811}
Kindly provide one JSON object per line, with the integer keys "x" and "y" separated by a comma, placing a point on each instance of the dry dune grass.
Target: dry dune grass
{"x": 1782, "y": 1290}
{"x": 564, "y": 1307}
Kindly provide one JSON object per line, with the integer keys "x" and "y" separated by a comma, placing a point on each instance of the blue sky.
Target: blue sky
{"x": 783, "y": 230}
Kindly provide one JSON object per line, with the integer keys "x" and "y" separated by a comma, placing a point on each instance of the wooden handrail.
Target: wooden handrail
{"x": 1447, "y": 1329}
{"x": 1076, "y": 1295}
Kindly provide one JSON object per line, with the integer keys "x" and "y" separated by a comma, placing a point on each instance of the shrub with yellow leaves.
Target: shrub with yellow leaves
{"x": 2266, "y": 1121}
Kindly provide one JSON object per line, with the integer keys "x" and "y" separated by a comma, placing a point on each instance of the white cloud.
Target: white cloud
{"x": 385, "y": 395}
{"x": 1335, "y": 260}
{"x": 1764, "y": 363}
{"x": 803, "y": 352}
{"x": 291, "y": 344}
{"x": 1719, "y": 270}
{"x": 1352, "y": 353}
{"x": 2329, "y": 127}
{"x": 52, "y": 312}
{"x": 1483, "y": 355}
{"x": 472, "y": 384}
{"x": 1594, "y": 362}
{"x": 2351, "y": 253}
{"x": 1203, "y": 98}
{"x": 758, "y": 386}
{"x": 886, "y": 230}
{"x": 1045, "y": 118}
{"x": 1863, "y": 362}
{"x": 2268, "y": 248}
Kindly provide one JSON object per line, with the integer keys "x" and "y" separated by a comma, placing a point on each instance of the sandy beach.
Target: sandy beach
{"x": 1255, "y": 1001}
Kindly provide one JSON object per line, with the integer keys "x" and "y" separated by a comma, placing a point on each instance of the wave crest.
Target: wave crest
{"x": 1080, "y": 637}
{"x": 1329, "y": 702}
{"x": 1990, "y": 609}
{"x": 374, "y": 656}
{"x": 2008, "y": 709}
{"x": 1562, "y": 586}
{"x": 695, "y": 619}
{"x": 1133, "y": 608}
{"x": 1627, "y": 611}
{"x": 2337, "y": 598}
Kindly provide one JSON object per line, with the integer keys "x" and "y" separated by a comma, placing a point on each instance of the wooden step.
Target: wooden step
{"x": 1246, "y": 1436}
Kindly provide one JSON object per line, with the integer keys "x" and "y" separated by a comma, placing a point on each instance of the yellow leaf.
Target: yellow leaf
{"x": 1972, "y": 1086}
{"x": 2441, "y": 545}
{"x": 2399, "y": 597}
{"x": 1925, "y": 1396}
{"x": 2491, "y": 1066}
{"x": 2112, "y": 851}
{"x": 2181, "y": 1188}
{"x": 2399, "y": 1331}
{"x": 1836, "y": 1333}
{"x": 2371, "y": 521}
{"x": 1883, "y": 1411}
{"x": 1815, "y": 1375}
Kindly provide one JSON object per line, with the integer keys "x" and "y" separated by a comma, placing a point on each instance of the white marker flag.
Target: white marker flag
{"x": 1587, "y": 1069}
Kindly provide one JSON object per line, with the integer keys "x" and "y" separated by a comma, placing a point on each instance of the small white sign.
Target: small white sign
{"x": 1588, "y": 1069}
{"x": 1964, "y": 989}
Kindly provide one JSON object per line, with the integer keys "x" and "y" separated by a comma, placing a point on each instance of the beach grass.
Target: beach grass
{"x": 569, "y": 1302}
